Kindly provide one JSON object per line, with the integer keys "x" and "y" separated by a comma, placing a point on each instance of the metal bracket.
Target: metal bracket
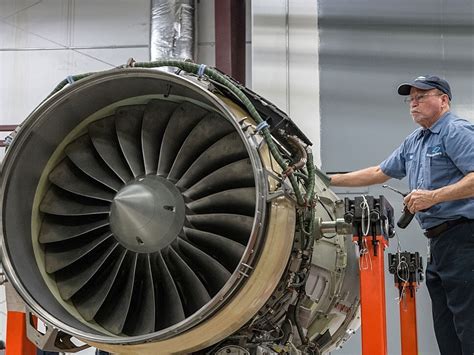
{"x": 53, "y": 339}
{"x": 245, "y": 269}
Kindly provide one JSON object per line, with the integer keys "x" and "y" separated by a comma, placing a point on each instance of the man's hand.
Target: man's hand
{"x": 419, "y": 200}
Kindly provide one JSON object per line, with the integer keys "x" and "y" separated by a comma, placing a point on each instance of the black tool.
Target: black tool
{"x": 406, "y": 216}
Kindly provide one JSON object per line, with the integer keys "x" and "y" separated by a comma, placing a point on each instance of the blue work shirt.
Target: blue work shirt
{"x": 435, "y": 157}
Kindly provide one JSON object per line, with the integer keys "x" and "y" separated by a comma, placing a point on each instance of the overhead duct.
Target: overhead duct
{"x": 145, "y": 212}
{"x": 172, "y": 29}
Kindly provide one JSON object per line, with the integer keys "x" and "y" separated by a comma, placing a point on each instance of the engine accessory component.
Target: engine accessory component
{"x": 161, "y": 217}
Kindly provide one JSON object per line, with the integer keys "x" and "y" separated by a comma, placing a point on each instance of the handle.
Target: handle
{"x": 405, "y": 218}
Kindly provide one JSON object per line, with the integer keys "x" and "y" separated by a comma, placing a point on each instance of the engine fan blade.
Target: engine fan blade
{"x": 155, "y": 119}
{"x": 169, "y": 309}
{"x": 193, "y": 293}
{"x": 128, "y": 125}
{"x": 58, "y": 256}
{"x": 210, "y": 271}
{"x": 61, "y": 203}
{"x": 223, "y": 152}
{"x": 226, "y": 251}
{"x": 86, "y": 158}
{"x": 183, "y": 120}
{"x": 234, "y": 175}
{"x": 210, "y": 129}
{"x": 232, "y": 226}
{"x": 66, "y": 176}
{"x": 240, "y": 201}
{"x": 141, "y": 316}
{"x": 105, "y": 141}
{"x": 71, "y": 279}
{"x": 90, "y": 298}
{"x": 57, "y": 229}
{"x": 114, "y": 311}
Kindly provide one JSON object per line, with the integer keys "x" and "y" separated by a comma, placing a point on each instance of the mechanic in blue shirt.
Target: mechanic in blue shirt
{"x": 438, "y": 159}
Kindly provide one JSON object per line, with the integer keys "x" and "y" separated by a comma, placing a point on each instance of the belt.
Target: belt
{"x": 434, "y": 232}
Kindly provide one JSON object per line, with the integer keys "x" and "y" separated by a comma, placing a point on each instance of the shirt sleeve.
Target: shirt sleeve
{"x": 459, "y": 145}
{"x": 394, "y": 165}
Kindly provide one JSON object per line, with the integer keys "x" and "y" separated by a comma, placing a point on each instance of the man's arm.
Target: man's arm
{"x": 419, "y": 200}
{"x": 363, "y": 177}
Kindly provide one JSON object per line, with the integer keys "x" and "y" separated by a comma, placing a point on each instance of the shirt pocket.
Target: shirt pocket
{"x": 439, "y": 170}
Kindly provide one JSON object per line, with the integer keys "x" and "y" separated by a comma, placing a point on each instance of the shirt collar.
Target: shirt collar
{"x": 436, "y": 128}
{"x": 440, "y": 123}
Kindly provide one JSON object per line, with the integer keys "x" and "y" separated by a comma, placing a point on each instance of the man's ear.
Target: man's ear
{"x": 445, "y": 99}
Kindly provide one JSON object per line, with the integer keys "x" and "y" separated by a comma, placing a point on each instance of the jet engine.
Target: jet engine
{"x": 148, "y": 212}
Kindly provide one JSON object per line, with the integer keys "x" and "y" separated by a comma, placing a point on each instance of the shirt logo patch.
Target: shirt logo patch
{"x": 434, "y": 151}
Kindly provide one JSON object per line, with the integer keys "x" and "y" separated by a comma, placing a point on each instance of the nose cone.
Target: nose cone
{"x": 147, "y": 214}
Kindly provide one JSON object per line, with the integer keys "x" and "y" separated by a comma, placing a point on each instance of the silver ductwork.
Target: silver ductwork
{"x": 172, "y": 29}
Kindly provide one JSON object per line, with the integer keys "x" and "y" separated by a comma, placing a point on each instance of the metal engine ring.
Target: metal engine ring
{"x": 96, "y": 176}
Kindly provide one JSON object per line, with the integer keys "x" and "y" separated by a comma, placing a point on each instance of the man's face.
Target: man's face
{"x": 428, "y": 107}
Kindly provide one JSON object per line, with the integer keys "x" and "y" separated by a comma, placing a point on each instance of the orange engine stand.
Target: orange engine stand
{"x": 407, "y": 269}
{"x": 408, "y": 331}
{"x": 372, "y": 222}
{"x": 17, "y": 342}
{"x": 372, "y": 295}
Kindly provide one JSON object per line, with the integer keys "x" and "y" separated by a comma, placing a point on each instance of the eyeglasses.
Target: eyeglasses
{"x": 419, "y": 98}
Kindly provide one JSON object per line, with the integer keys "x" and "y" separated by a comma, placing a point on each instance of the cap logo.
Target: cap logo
{"x": 421, "y": 78}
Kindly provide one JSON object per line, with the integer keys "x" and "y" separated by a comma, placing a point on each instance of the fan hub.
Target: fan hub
{"x": 147, "y": 214}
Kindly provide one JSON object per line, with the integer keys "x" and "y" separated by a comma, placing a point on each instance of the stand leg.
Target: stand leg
{"x": 17, "y": 343}
{"x": 372, "y": 295}
{"x": 408, "y": 332}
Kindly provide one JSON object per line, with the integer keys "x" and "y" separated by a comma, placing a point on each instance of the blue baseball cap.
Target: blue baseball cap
{"x": 426, "y": 82}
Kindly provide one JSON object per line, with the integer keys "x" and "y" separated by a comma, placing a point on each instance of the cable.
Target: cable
{"x": 365, "y": 207}
{"x": 364, "y": 251}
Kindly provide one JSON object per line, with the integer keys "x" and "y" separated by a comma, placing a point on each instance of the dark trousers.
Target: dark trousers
{"x": 450, "y": 282}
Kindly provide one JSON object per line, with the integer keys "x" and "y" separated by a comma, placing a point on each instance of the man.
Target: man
{"x": 438, "y": 159}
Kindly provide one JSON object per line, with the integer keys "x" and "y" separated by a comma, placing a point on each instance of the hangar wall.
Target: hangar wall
{"x": 367, "y": 49}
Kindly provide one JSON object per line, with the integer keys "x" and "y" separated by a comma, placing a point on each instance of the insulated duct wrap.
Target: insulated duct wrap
{"x": 172, "y": 29}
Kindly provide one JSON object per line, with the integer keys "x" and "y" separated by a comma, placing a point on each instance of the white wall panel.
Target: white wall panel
{"x": 12, "y": 37}
{"x": 270, "y": 50}
{"x": 206, "y": 45}
{"x": 106, "y": 22}
{"x": 32, "y": 75}
{"x": 48, "y": 20}
{"x": 285, "y": 67}
{"x": 117, "y": 56}
{"x": 9, "y": 7}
